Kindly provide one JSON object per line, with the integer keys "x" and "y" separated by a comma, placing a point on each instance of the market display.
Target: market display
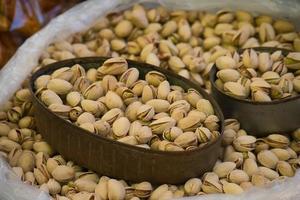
{"x": 186, "y": 42}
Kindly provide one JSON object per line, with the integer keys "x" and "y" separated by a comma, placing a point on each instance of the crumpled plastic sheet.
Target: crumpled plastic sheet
{"x": 83, "y": 16}
{"x": 11, "y": 188}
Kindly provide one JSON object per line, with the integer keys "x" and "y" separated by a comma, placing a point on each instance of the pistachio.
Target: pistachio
{"x": 154, "y": 78}
{"x": 186, "y": 139}
{"x": 129, "y": 77}
{"x": 93, "y": 91}
{"x": 189, "y": 123}
{"x": 42, "y": 81}
{"x": 282, "y": 26}
{"x": 41, "y": 174}
{"x": 224, "y": 168}
{"x": 225, "y": 62}
{"x": 235, "y": 157}
{"x": 53, "y": 186}
{"x": 235, "y": 89}
{"x": 145, "y": 112}
{"x": 205, "y": 106}
{"x": 285, "y": 169}
{"x": 143, "y": 189}
{"x": 268, "y": 173}
{"x": 277, "y": 141}
{"x": 85, "y": 185}
{"x": 267, "y": 158}
{"x": 49, "y": 97}
{"x": 149, "y": 92}
{"x": 227, "y": 75}
{"x": 112, "y": 115}
{"x": 250, "y": 166}
{"x": 158, "y": 192}
{"x": 41, "y": 146}
{"x": 203, "y": 134}
{"x": 121, "y": 127}
{"x": 237, "y": 176}
{"x": 232, "y": 188}
{"x": 63, "y": 173}
{"x": 161, "y": 124}
{"x": 192, "y": 186}
{"x": 26, "y": 161}
{"x": 172, "y": 133}
{"x": 259, "y": 180}
{"x": 59, "y": 86}
{"x": 85, "y": 117}
{"x": 61, "y": 110}
{"x": 112, "y": 100}
{"x": 115, "y": 189}
{"x": 244, "y": 143}
{"x": 113, "y": 66}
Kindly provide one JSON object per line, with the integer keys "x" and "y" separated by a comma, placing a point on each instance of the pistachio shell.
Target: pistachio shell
{"x": 224, "y": 168}
{"x": 26, "y": 161}
{"x": 244, "y": 143}
{"x": 49, "y": 97}
{"x": 85, "y": 117}
{"x": 232, "y": 188}
{"x": 112, "y": 100}
{"x": 93, "y": 91}
{"x": 145, "y": 112}
{"x": 227, "y": 75}
{"x": 115, "y": 189}
{"x": 59, "y": 86}
{"x": 225, "y": 62}
{"x": 121, "y": 127}
{"x": 250, "y": 166}
{"x": 112, "y": 115}
{"x": 155, "y": 78}
{"x": 285, "y": 169}
{"x": 235, "y": 89}
{"x": 205, "y": 106}
{"x": 63, "y": 173}
{"x": 282, "y": 154}
{"x": 238, "y": 176}
{"x": 129, "y": 77}
{"x": 85, "y": 185}
{"x": 158, "y": 126}
{"x": 277, "y": 141}
{"x": 42, "y": 146}
{"x": 267, "y": 158}
{"x": 268, "y": 173}
{"x": 143, "y": 189}
{"x": 113, "y": 66}
{"x": 123, "y": 28}
{"x": 53, "y": 186}
{"x": 157, "y": 193}
{"x": 192, "y": 186}
{"x": 186, "y": 139}
{"x": 42, "y": 81}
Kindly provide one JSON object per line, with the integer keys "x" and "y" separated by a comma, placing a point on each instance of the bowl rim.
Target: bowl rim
{"x": 85, "y": 60}
{"x": 213, "y": 72}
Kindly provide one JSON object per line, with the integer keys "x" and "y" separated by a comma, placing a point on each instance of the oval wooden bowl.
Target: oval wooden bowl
{"x": 119, "y": 160}
{"x": 259, "y": 118}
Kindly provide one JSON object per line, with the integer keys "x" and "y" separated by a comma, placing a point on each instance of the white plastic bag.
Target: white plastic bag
{"x": 81, "y": 18}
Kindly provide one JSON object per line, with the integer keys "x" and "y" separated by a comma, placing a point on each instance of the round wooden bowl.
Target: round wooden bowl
{"x": 119, "y": 160}
{"x": 259, "y": 118}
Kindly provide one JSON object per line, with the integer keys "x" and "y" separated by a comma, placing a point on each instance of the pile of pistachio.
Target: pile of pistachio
{"x": 245, "y": 162}
{"x": 113, "y": 102}
{"x": 187, "y": 43}
{"x": 259, "y": 76}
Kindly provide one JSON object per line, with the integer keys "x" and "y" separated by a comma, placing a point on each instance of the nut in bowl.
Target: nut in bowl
{"x": 146, "y": 123}
{"x": 260, "y": 87}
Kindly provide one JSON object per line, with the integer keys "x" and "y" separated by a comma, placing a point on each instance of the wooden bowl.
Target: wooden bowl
{"x": 119, "y": 160}
{"x": 259, "y": 118}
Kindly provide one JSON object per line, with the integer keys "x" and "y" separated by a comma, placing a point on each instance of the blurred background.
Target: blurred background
{"x": 19, "y": 19}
